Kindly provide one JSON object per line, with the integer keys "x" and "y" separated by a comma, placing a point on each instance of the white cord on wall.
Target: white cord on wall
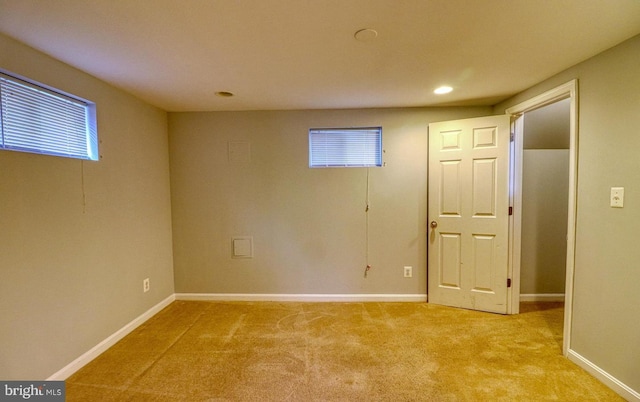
{"x": 366, "y": 211}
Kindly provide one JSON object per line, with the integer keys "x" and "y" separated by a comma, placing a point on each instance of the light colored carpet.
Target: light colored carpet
{"x": 213, "y": 351}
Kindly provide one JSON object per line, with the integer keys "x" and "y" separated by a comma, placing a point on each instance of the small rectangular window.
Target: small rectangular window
{"x": 345, "y": 147}
{"x": 35, "y": 118}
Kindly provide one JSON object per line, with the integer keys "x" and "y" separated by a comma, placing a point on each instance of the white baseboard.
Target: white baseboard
{"x": 369, "y": 297}
{"x": 94, "y": 352}
{"x": 610, "y": 381}
{"x": 542, "y": 297}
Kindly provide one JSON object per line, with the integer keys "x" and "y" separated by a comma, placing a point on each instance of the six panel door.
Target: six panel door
{"x": 469, "y": 213}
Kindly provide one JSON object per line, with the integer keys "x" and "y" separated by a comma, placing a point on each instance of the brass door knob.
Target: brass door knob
{"x": 434, "y": 224}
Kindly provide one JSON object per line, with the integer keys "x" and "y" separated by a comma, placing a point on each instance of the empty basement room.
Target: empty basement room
{"x": 267, "y": 200}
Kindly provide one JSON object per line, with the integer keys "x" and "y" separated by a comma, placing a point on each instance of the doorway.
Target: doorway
{"x": 467, "y": 263}
{"x": 468, "y": 204}
{"x": 545, "y": 192}
{"x": 562, "y": 100}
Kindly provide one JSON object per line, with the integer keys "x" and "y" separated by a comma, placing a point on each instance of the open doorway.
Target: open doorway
{"x": 545, "y": 198}
{"x": 552, "y": 225}
{"x": 454, "y": 171}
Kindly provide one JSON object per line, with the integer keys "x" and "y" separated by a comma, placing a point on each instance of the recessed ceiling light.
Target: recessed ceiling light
{"x": 365, "y": 35}
{"x": 443, "y": 90}
{"x": 225, "y": 94}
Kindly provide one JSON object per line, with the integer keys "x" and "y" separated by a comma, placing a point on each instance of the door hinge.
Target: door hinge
{"x": 511, "y": 137}
{"x": 510, "y": 210}
{"x": 508, "y": 282}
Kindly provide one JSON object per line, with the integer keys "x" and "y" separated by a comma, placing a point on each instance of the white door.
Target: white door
{"x": 469, "y": 213}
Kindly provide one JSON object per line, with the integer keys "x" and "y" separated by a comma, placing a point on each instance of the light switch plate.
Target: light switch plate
{"x": 617, "y": 197}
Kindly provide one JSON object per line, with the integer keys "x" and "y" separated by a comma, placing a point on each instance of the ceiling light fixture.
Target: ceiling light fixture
{"x": 224, "y": 94}
{"x": 366, "y": 35}
{"x": 443, "y": 90}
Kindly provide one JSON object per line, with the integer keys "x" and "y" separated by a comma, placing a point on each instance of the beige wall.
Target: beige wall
{"x": 308, "y": 225}
{"x": 606, "y": 312}
{"x": 77, "y": 238}
{"x": 548, "y": 127}
{"x": 545, "y": 194}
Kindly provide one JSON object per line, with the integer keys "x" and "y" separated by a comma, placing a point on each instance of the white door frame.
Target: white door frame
{"x": 570, "y": 91}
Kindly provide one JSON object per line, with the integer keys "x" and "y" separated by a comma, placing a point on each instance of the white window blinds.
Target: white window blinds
{"x": 345, "y": 147}
{"x": 39, "y": 120}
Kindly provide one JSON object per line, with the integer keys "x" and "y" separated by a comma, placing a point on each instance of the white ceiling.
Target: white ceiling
{"x": 302, "y": 54}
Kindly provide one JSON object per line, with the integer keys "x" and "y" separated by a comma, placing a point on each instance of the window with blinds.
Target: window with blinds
{"x": 38, "y": 119}
{"x": 345, "y": 147}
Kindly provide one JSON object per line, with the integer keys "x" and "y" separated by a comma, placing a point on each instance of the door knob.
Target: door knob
{"x": 434, "y": 224}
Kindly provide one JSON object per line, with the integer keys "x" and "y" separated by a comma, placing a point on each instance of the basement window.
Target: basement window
{"x": 38, "y": 119}
{"x": 345, "y": 147}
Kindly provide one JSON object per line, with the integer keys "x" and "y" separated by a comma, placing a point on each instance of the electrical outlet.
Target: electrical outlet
{"x": 408, "y": 272}
{"x": 145, "y": 285}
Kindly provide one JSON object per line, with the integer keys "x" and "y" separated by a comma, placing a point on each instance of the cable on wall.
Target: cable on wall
{"x": 366, "y": 212}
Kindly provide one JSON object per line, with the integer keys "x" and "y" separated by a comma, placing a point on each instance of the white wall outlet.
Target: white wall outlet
{"x": 617, "y": 197}
{"x": 408, "y": 272}
{"x": 146, "y": 285}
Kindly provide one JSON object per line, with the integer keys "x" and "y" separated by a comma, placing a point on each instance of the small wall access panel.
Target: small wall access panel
{"x": 242, "y": 247}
